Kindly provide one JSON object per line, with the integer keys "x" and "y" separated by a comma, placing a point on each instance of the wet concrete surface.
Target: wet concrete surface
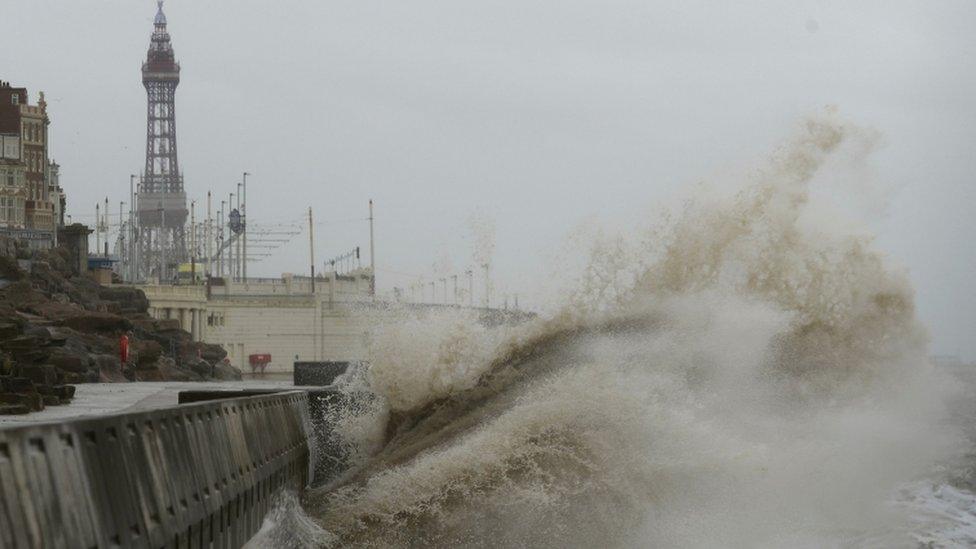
{"x": 93, "y": 399}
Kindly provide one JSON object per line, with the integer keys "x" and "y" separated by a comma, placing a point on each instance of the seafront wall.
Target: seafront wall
{"x": 195, "y": 475}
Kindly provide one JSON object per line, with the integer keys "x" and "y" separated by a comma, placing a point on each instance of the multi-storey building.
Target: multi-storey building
{"x": 13, "y": 185}
{"x": 55, "y": 192}
{"x": 26, "y": 173}
{"x": 34, "y": 122}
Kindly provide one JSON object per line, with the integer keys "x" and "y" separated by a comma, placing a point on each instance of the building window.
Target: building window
{"x": 15, "y": 99}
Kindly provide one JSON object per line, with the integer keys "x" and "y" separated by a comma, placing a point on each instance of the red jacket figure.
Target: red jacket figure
{"x": 124, "y": 349}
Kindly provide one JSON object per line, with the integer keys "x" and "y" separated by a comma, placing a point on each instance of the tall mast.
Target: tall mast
{"x": 162, "y": 212}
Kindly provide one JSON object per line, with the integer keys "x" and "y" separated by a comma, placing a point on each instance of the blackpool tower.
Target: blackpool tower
{"x": 161, "y": 201}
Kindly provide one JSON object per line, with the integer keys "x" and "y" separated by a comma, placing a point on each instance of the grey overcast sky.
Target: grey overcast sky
{"x": 540, "y": 115}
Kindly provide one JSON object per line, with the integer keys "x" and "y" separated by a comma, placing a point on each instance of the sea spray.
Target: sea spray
{"x": 750, "y": 380}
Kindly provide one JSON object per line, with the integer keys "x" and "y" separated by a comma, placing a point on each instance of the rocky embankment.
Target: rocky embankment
{"x": 59, "y": 329}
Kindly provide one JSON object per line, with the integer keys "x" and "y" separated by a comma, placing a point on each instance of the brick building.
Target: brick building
{"x": 28, "y": 178}
{"x": 13, "y": 185}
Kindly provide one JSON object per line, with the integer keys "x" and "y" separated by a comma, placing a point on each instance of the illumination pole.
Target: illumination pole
{"x": 244, "y": 223}
{"x": 132, "y": 228}
{"x": 193, "y": 243}
{"x": 230, "y": 234}
{"x": 487, "y": 286}
{"x": 311, "y": 248}
{"x": 454, "y": 279}
{"x": 470, "y": 274}
{"x": 220, "y": 246}
{"x": 207, "y": 235}
{"x": 237, "y": 256}
{"x": 162, "y": 247}
{"x": 372, "y": 254}
{"x": 98, "y": 222}
{"x": 106, "y": 215}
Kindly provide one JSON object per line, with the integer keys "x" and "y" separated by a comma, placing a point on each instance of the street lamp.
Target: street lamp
{"x": 487, "y": 266}
{"x": 470, "y": 274}
{"x": 237, "y": 265}
{"x": 220, "y": 240}
{"x": 244, "y": 227}
{"x": 230, "y": 236}
{"x": 133, "y": 269}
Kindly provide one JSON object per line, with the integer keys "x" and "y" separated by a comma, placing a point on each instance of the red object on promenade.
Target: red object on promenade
{"x": 124, "y": 349}
{"x": 259, "y": 362}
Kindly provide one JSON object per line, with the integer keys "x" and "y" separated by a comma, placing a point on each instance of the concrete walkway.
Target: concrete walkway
{"x": 106, "y": 398}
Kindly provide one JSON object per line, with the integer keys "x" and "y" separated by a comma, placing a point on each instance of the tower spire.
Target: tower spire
{"x": 160, "y": 20}
{"x": 161, "y": 209}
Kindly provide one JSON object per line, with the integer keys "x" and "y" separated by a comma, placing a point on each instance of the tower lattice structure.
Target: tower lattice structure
{"x": 161, "y": 211}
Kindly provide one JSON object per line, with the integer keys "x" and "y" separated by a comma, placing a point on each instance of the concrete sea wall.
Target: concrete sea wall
{"x": 195, "y": 475}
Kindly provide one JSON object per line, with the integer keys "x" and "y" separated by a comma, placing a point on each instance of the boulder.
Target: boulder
{"x": 108, "y": 368}
{"x": 126, "y": 299}
{"x": 65, "y": 392}
{"x": 39, "y": 374}
{"x": 211, "y": 353}
{"x": 93, "y": 321}
{"x": 169, "y": 370}
{"x": 9, "y": 269}
{"x": 15, "y": 398}
{"x": 41, "y": 333}
{"x": 145, "y": 353}
{"x": 224, "y": 371}
{"x": 36, "y": 401}
{"x": 13, "y": 409}
{"x": 13, "y": 384}
{"x": 69, "y": 362}
{"x": 153, "y": 374}
{"x": 9, "y": 330}
{"x": 31, "y": 357}
{"x": 72, "y": 377}
{"x": 200, "y": 367}
{"x": 21, "y": 343}
{"x": 33, "y": 401}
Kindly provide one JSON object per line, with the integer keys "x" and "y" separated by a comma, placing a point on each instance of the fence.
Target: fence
{"x": 196, "y": 475}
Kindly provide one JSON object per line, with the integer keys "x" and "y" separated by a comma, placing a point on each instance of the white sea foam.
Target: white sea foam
{"x": 750, "y": 377}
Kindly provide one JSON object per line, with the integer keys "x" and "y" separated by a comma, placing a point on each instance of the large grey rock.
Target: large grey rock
{"x": 109, "y": 368}
{"x": 69, "y": 362}
{"x": 39, "y": 374}
{"x": 226, "y": 372}
{"x": 13, "y": 410}
{"x": 93, "y": 321}
{"x": 15, "y": 384}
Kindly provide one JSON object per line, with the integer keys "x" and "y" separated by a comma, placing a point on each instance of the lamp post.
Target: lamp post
{"x": 237, "y": 256}
{"x": 244, "y": 228}
{"x": 162, "y": 247}
{"x": 230, "y": 235}
{"x": 470, "y": 275}
{"x": 487, "y": 266}
{"x": 208, "y": 239}
{"x": 372, "y": 255}
{"x": 98, "y": 237}
{"x": 193, "y": 243}
{"x": 122, "y": 243}
{"x": 133, "y": 267}
{"x": 220, "y": 240}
